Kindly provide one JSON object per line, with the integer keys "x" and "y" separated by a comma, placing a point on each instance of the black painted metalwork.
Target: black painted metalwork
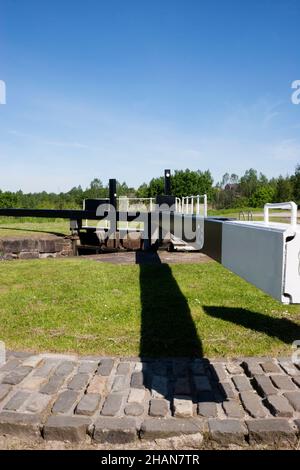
{"x": 72, "y": 214}
{"x": 167, "y": 182}
{"x": 113, "y": 192}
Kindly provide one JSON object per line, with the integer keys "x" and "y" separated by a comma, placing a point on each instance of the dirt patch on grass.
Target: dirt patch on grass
{"x": 144, "y": 257}
{"x": 55, "y": 332}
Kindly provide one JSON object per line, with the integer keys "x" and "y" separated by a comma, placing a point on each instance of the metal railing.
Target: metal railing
{"x": 192, "y": 204}
{"x": 246, "y": 216}
{"x": 186, "y": 205}
{"x": 292, "y": 206}
{"x": 141, "y": 204}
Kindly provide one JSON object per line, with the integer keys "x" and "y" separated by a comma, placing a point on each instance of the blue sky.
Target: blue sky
{"x": 126, "y": 88}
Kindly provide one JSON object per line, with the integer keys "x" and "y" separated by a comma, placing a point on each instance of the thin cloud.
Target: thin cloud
{"x": 56, "y": 143}
{"x": 286, "y": 150}
{"x": 270, "y": 116}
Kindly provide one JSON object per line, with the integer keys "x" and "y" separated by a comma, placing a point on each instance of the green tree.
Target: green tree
{"x": 96, "y": 190}
{"x": 296, "y": 184}
{"x": 124, "y": 190}
{"x": 156, "y": 187}
{"x": 249, "y": 183}
{"x": 143, "y": 190}
{"x": 189, "y": 183}
{"x": 284, "y": 189}
{"x": 225, "y": 180}
{"x": 262, "y": 195}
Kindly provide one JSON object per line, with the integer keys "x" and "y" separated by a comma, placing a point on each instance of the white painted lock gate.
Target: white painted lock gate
{"x": 266, "y": 254}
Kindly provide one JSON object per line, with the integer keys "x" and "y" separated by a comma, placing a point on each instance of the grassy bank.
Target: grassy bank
{"x": 89, "y": 307}
{"x": 29, "y": 226}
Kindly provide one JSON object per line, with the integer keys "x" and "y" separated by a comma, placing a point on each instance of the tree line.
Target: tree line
{"x": 253, "y": 189}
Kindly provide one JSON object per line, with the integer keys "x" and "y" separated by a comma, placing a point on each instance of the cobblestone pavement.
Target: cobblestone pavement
{"x": 59, "y": 397}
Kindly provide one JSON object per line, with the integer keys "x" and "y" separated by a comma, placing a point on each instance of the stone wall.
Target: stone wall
{"x": 129, "y": 242}
{"x": 33, "y": 248}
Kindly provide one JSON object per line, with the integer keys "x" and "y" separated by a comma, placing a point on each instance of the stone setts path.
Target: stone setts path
{"x": 59, "y": 397}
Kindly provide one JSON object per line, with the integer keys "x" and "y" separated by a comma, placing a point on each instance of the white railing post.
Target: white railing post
{"x": 281, "y": 205}
{"x": 198, "y": 205}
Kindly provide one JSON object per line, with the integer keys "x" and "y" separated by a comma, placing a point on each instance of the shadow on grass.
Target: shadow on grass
{"x": 282, "y": 328}
{"x": 167, "y": 326}
{"x": 147, "y": 257}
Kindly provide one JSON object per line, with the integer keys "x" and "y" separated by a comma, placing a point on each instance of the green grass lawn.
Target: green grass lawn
{"x": 33, "y": 226}
{"x": 179, "y": 310}
{"x": 234, "y": 212}
{"x": 257, "y": 214}
{"x": 29, "y": 226}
